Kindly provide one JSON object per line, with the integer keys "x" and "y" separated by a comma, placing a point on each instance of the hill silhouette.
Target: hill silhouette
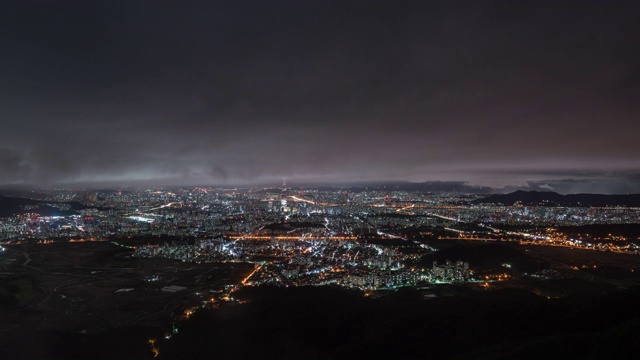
{"x": 328, "y": 323}
{"x": 11, "y": 206}
{"x": 548, "y": 198}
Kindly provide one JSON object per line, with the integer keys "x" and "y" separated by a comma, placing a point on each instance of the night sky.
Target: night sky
{"x": 543, "y": 94}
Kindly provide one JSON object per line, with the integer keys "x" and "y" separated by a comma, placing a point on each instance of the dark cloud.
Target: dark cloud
{"x": 494, "y": 93}
{"x": 13, "y": 166}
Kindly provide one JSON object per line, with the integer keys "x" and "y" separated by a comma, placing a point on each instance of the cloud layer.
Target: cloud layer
{"x": 223, "y": 92}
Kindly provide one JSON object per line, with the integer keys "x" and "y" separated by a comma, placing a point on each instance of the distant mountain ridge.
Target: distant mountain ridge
{"x": 11, "y": 206}
{"x": 548, "y": 198}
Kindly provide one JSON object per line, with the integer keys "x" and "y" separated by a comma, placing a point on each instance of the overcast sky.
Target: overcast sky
{"x": 222, "y": 92}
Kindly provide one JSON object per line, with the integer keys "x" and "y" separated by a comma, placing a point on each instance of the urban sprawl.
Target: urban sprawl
{"x": 365, "y": 238}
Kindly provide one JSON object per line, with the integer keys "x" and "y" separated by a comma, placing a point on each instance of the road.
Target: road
{"x": 27, "y": 257}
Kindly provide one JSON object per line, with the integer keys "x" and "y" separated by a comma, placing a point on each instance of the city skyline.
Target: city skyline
{"x": 499, "y": 94}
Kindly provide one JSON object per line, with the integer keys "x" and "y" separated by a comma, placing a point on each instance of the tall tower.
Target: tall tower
{"x": 283, "y": 195}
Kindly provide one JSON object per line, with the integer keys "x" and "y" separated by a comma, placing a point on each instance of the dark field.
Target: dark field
{"x": 72, "y": 288}
{"x": 61, "y": 301}
{"x": 531, "y": 258}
